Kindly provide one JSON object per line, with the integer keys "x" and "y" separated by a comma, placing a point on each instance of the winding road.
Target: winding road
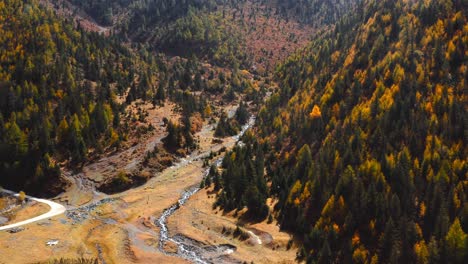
{"x": 55, "y": 209}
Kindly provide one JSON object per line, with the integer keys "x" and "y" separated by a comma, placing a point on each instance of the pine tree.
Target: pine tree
{"x": 304, "y": 163}
{"x": 171, "y": 141}
{"x": 77, "y": 144}
{"x": 63, "y": 132}
{"x": 15, "y": 138}
{"x": 161, "y": 94}
{"x": 242, "y": 115}
{"x": 456, "y": 242}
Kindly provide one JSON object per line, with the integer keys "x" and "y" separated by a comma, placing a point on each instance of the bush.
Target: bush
{"x": 22, "y": 196}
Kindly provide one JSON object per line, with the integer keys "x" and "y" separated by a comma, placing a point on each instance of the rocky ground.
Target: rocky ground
{"x": 121, "y": 228}
{"x": 198, "y": 220}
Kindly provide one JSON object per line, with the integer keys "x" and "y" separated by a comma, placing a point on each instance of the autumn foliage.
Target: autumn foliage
{"x": 366, "y": 139}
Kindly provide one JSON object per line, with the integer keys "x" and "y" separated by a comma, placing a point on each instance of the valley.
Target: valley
{"x": 233, "y": 131}
{"x": 124, "y": 228}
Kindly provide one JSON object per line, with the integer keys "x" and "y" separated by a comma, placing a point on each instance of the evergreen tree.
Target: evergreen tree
{"x": 456, "y": 242}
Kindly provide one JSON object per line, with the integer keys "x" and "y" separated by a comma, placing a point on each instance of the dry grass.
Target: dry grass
{"x": 26, "y": 211}
{"x": 3, "y": 202}
{"x": 130, "y": 236}
{"x": 198, "y": 220}
{"x": 124, "y": 229}
{"x": 70, "y": 261}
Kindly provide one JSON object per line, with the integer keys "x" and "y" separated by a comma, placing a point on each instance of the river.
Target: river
{"x": 187, "y": 248}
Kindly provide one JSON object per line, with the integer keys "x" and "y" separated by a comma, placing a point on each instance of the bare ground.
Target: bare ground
{"x": 26, "y": 211}
{"x": 120, "y": 228}
{"x": 117, "y": 228}
{"x": 66, "y": 9}
{"x": 83, "y": 184}
{"x": 198, "y": 220}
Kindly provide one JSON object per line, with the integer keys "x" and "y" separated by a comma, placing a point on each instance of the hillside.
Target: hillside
{"x": 316, "y": 12}
{"x": 59, "y": 85}
{"x": 70, "y": 95}
{"x": 234, "y": 131}
{"x": 247, "y": 34}
{"x": 365, "y": 143}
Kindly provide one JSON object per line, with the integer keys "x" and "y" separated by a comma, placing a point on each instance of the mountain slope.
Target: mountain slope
{"x": 317, "y": 12}
{"x": 57, "y": 96}
{"x": 365, "y": 141}
{"x": 68, "y": 95}
{"x": 224, "y": 32}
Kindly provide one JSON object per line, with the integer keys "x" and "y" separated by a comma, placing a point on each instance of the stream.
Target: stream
{"x": 187, "y": 248}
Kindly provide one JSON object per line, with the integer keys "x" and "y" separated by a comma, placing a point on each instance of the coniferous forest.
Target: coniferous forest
{"x": 365, "y": 142}
{"x": 358, "y": 150}
{"x": 57, "y": 96}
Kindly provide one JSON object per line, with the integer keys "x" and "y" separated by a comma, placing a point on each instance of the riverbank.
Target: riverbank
{"x": 116, "y": 228}
{"x": 122, "y": 228}
{"x": 199, "y": 221}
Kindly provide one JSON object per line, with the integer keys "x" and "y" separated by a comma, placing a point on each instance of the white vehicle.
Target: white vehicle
{"x": 53, "y": 242}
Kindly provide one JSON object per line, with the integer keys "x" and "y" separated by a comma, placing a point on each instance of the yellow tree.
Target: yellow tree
{"x": 22, "y": 196}
{"x": 456, "y": 242}
{"x": 316, "y": 113}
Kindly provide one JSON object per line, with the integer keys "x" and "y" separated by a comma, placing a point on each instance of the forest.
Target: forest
{"x": 203, "y": 28}
{"x": 65, "y": 90}
{"x": 364, "y": 143}
{"x": 59, "y": 85}
{"x": 317, "y": 12}
{"x": 360, "y": 148}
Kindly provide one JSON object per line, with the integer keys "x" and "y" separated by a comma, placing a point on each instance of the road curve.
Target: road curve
{"x": 55, "y": 209}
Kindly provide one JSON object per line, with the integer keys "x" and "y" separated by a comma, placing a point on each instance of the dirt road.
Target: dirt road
{"x": 123, "y": 227}
{"x": 55, "y": 209}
